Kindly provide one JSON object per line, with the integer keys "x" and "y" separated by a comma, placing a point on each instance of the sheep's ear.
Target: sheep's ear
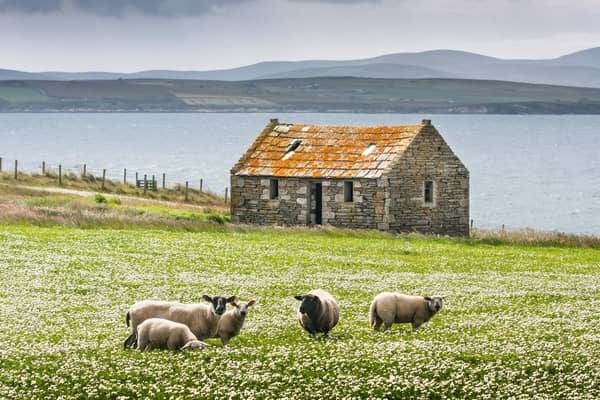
{"x": 299, "y": 298}
{"x": 427, "y": 298}
{"x": 251, "y": 303}
{"x": 233, "y": 303}
{"x": 230, "y": 300}
{"x": 207, "y": 298}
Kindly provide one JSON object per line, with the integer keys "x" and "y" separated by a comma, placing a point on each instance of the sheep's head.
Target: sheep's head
{"x": 434, "y": 303}
{"x": 309, "y": 303}
{"x": 194, "y": 345}
{"x": 241, "y": 309}
{"x": 219, "y": 303}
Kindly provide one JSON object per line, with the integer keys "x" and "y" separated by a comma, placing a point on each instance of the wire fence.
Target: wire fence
{"x": 144, "y": 180}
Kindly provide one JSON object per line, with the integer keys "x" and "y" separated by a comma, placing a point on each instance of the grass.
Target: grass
{"x": 519, "y": 321}
{"x": 24, "y": 205}
{"x": 93, "y": 183}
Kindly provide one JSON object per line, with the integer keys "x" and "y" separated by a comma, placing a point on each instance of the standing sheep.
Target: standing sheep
{"x": 159, "y": 333}
{"x": 318, "y": 312}
{"x": 389, "y": 308}
{"x": 231, "y": 322}
{"x": 202, "y": 319}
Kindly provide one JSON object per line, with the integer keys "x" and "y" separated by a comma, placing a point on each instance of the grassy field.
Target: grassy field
{"x": 519, "y": 321}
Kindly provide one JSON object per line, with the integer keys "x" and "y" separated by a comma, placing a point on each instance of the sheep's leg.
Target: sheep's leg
{"x": 127, "y": 342}
{"x": 225, "y": 340}
{"x": 387, "y": 326}
{"x": 142, "y": 344}
{"x": 377, "y": 324}
{"x": 416, "y": 324}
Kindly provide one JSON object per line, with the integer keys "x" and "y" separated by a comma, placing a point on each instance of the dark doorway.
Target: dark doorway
{"x": 316, "y": 203}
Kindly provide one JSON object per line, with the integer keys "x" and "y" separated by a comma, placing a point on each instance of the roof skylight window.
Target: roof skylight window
{"x": 292, "y": 149}
{"x": 369, "y": 149}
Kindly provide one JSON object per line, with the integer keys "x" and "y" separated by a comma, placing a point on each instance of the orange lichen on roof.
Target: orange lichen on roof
{"x": 325, "y": 151}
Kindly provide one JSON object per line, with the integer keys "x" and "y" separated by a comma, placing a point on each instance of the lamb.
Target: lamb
{"x": 159, "y": 333}
{"x": 318, "y": 312}
{"x": 232, "y": 321}
{"x": 389, "y": 308}
{"x": 202, "y": 319}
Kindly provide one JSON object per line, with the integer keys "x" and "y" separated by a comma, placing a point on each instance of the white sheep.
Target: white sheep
{"x": 389, "y": 308}
{"x": 159, "y": 333}
{"x": 232, "y": 321}
{"x": 202, "y": 319}
{"x": 318, "y": 312}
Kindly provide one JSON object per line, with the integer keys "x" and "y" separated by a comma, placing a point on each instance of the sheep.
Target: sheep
{"x": 232, "y": 321}
{"x": 159, "y": 333}
{"x": 202, "y": 319}
{"x": 389, "y": 308}
{"x": 318, "y": 312}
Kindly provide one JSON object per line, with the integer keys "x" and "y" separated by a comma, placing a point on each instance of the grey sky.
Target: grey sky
{"x": 133, "y": 35}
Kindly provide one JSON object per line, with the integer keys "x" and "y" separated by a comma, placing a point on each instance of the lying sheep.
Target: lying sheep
{"x": 388, "y": 308}
{"x": 318, "y": 312}
{"x": 231, "y": 322}
{"x": 159, "y": 333}
{"x": 202, "y": 319}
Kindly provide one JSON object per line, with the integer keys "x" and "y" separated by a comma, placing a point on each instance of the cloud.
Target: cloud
{"x": 167, "y": 8}
{"x": 30, "y": 6}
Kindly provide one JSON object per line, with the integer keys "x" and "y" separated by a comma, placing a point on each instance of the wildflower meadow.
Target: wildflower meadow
{"x": 519, "y": 321}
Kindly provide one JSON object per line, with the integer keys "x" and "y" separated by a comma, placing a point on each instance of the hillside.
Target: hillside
{"x": 301, "y": 95}
{"x": 581, "y": 68}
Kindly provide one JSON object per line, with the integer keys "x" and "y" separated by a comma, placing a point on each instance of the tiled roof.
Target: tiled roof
{"x": 325, "y": 151}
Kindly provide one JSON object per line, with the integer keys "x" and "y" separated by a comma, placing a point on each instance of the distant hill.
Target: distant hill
{"x": 581, "y": 68}
{"x": 343, "y": 94}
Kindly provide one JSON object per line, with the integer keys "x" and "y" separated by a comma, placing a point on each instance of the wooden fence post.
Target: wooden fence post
{"x": 145, "y": 183}
{"x": 103, "y": 178}
{"x": 84, "y": 170}
{"x": 186, "y": 190}
{"x": 226, "y": 190}
{"x": 136, "y": 179}
{"x": 43, "y": 167}
{"x": 201, "y": 182}
{"x": 124, "y": 176}
{"x": 164, "y": 178}
{"x": 60, "y": 174}
{"x": 0, "y": 164}
{"x": 16, "y": 168}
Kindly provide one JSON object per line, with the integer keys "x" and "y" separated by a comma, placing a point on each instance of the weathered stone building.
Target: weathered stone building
{"x": 391, "y": 178}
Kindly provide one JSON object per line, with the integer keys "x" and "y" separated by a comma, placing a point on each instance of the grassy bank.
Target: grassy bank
{"x": 91, "y": 183}
{"x": 519, "y": 321}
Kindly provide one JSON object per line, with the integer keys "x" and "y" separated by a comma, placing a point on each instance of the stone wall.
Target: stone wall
{"x": 364, "y": 212}
{"x": 250, "y": 203}
{"x": 428, "y": 158}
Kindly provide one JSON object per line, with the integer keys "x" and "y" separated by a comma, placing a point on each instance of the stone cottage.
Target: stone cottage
{"x": 392, "y": 178}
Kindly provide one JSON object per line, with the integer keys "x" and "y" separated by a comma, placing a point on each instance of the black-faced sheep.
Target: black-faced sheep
{"x": 232, "y": 321}
{"x": 202, "y": 319}
{"x": 159, "y": 333}
{"x": 318, "y": 312}
{"x": 388, "y": 308}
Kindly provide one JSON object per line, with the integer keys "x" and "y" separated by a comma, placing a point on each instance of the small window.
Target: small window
{"x": 274, "y": 189}
{"x": 428, "y": 192}
{"x": 349, "y": 192}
